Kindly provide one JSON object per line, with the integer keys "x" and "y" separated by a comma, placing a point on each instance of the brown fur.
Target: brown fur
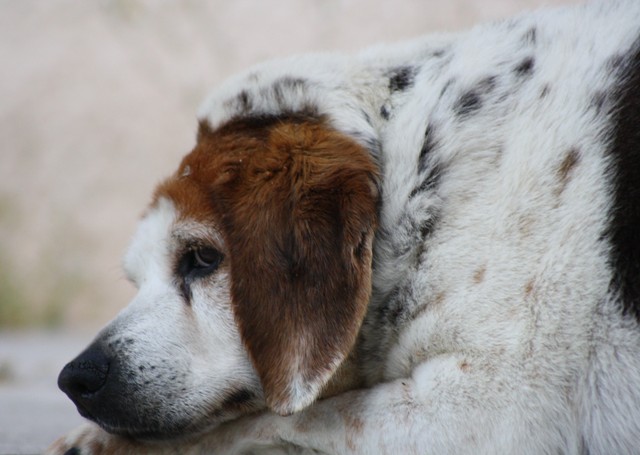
{"x": 296, "y": 204}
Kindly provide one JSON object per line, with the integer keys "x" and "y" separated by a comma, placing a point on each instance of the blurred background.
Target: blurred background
{"x": 97, "y": 104}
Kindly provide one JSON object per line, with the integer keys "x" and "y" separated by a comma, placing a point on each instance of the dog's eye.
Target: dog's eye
{"x": 199, "y": 262}
{"x": 205, "y": 258}
{"x": 194, "y": 264}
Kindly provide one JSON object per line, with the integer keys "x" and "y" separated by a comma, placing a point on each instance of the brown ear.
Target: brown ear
{"x": 299, "y": 217}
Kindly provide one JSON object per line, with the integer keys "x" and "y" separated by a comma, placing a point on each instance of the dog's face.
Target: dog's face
{"x": 253, "y": 267}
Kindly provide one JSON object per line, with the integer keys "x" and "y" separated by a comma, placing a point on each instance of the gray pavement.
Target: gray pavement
{"x": 33, "y": 412}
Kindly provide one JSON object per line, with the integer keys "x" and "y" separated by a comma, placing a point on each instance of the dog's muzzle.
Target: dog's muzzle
{"x": 116, "y": 394}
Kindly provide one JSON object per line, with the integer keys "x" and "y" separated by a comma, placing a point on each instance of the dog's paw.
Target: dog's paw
{"x": 87, "y": 439}
{"x": 90, "y": 439}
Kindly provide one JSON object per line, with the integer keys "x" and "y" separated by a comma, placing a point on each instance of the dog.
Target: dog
{"x": 430, "y": 247}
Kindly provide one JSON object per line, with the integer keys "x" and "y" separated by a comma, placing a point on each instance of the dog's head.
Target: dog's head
{"x": 253, "y": 269}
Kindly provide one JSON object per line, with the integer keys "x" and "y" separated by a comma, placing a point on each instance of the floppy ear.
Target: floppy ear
{"x": 299, "y": 217}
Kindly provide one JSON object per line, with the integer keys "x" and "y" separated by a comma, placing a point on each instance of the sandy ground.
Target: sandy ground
{"x": 32, "y": 411}
{"x": 98, "y": 102}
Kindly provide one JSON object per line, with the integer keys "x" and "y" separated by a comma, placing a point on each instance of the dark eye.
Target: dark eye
{"x": 193, "y": 264}
{"x": 205, "y": 258}
{"x": 199, "y": 262}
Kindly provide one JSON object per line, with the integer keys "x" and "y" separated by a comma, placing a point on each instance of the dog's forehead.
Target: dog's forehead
{"x": 191, "y": 187}
{"x": 241, "y": 150}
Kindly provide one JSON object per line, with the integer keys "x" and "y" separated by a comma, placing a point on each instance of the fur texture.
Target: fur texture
{"x": 430, "y": 247}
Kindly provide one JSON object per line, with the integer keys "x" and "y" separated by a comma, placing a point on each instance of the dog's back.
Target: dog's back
{"x": 516, "y": 239}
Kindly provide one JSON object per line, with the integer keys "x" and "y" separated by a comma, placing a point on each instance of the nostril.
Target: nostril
{"x": 81, "y": 378}
{"x": 86, "y": 374}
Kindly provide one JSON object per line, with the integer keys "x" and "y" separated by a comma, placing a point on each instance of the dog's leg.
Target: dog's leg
{"x": 90, "y": 439}
{"x": 448, "y": 406}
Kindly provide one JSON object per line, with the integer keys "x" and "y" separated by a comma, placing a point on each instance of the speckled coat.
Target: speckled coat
{"x": 425, "y": 248}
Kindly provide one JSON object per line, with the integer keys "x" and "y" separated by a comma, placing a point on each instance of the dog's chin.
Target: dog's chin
{"x": 152, "y": 431}
{"x": 172, "y": 424}
{"x": 168, "y": 431}
{"x": 163, "y": 433}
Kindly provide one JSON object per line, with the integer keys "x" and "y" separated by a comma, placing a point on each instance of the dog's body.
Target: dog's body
{"x": 427, "y": 248}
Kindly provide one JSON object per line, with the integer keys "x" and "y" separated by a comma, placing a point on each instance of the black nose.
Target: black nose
{"x": 82, "y": 378}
